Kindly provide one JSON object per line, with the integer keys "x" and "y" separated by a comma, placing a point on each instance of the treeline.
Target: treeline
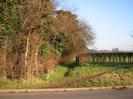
{"x": 34, "y": 37}
{"x": 106, "y": 58}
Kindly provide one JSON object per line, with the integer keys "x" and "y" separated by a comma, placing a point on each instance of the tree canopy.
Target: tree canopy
{"x": 33, "y": 32}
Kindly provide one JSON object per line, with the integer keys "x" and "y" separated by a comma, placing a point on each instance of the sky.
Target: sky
{"x": 111, "y": 20}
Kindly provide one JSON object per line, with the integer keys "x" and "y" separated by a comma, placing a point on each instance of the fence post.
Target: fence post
{"x": 78, "y": 60}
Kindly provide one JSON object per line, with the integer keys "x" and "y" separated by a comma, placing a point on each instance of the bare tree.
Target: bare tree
{"x": 76, "y": 34}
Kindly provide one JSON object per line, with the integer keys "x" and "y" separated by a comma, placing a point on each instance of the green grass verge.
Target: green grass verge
{"x": 70, "y": 75}
{"x": 90, "y": 75}
{"x": 8, "y": 84}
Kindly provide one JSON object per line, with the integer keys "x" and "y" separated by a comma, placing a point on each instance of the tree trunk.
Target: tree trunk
{"x": 36, "y": 62}
{"x": 26, "y": 58}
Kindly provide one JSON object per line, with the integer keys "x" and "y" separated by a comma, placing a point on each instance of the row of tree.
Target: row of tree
{"x": 34, "y": 37}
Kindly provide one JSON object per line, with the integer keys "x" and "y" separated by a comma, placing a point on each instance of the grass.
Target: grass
{"x": 92, "y": 75}
{"x": 8, "y": 84}
{"x": 71, "y": 75}
{"x": 55, "y": 75}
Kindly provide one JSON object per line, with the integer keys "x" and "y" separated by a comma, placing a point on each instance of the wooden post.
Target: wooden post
{"x": 77, "y": 60}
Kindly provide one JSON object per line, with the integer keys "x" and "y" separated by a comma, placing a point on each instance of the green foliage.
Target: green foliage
{"x": 10, "y": 24}
{"x": 56, "y": 53}
{"x": 59, "y": 42}
{"x": 44, "y": 50}
{"x": 47, "y": 49}
{"x": 11, "y": 18}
